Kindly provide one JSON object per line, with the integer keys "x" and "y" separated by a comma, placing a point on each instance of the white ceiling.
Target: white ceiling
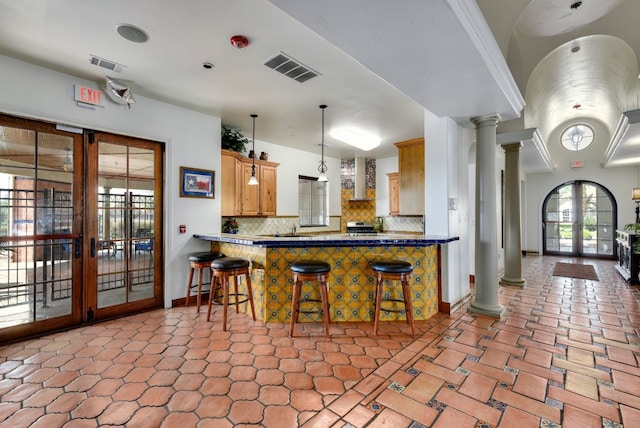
{"x": 379, "y": 64}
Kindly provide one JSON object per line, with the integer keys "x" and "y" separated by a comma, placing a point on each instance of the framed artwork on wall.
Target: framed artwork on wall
{"x": 197, "y": 183}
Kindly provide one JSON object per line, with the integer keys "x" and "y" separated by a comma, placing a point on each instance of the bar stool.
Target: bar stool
{"x": 222, "y": 269}
{"x": 394, "y": 270}
{"x": 199, "y": 261}
{"x": 310, "y": 270}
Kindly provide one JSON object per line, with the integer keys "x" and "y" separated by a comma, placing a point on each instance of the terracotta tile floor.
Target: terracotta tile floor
{"x": 566, "y": 353}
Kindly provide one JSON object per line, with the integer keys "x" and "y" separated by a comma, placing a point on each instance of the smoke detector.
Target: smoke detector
{"x": 239, "y": 41}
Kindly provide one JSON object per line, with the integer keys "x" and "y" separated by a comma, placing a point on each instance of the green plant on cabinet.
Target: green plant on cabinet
{"x": 233, "y": 140}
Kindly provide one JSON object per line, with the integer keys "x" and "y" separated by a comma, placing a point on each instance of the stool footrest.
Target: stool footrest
{"x": 217, "y": 300}
{"x": 392, "y": 310}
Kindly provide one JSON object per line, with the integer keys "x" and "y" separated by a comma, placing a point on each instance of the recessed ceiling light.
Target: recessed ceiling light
{"x": 356, "y": 139}
{"x": 132, "y": 33}
{"x": 207, "y": 65}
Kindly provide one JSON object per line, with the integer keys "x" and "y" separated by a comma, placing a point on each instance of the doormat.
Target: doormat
{"x": 575, "y": 270}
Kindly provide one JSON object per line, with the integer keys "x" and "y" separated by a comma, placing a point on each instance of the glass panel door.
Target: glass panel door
{"x": 558, "y": 215}
{"x": 126, "y": 198}
{"x": 579, "y": 220}
{"x": 40, "y": 225}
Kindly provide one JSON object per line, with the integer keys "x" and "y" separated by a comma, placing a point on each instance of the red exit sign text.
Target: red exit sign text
{"x": 87, "y": 95}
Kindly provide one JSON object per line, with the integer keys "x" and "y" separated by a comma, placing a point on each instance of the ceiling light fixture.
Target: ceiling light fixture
{"x": 356, "y": 139}
{"x": 323, "y": 165}
{"x": 253, "y": 181}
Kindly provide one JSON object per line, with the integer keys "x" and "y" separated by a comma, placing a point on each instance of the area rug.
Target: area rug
{"x": 575, "y": 270}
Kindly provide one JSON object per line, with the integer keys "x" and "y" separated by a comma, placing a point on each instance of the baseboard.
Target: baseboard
{"x": 449, "y": 308}
{"x": 204, "y": 299}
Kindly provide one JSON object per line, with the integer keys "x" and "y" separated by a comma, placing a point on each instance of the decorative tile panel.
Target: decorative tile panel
{"x": 351, "y": 281}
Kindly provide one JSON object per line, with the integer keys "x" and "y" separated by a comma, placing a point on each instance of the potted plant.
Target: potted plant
{"x": 233, "y": 140}
{"x": 230, "y": 226}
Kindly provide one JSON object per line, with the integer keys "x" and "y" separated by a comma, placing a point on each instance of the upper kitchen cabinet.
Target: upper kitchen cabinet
{"x": 411, "y": 176}
{"x": 238, "y": 197}
{"x": 231, "y": 184}
{"x": 394, "y": 193}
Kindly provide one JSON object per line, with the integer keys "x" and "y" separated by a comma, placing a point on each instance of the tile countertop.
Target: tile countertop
{"x": 329, "y": 240}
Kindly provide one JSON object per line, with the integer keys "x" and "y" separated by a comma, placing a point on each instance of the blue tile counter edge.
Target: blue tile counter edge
{"x": 331, "y": 240}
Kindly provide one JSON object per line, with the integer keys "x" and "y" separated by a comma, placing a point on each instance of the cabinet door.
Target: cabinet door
{"x": 250, "y": 194}
{"x": 268, "y": 177}
{"x": 411, "y": 176}
{"x": 394, "y": 194}
{"x": 230, "y": 185}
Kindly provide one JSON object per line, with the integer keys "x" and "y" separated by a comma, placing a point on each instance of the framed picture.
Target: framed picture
{"x": 196, "y": 183}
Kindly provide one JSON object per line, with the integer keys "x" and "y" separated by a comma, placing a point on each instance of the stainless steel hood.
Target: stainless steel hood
{"x": 360, "y": 181}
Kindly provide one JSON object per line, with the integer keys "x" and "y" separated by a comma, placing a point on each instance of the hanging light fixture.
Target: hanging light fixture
{"x": 253, "y": 181}
{"x": 323, "y": 165}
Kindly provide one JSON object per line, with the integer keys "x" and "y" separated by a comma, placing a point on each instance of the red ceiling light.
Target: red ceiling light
{"x": 239, "y": 41}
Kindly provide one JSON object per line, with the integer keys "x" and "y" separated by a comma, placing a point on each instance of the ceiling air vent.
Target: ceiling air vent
{"x": 290, "y": 67}
{"x": 105, "y": 63}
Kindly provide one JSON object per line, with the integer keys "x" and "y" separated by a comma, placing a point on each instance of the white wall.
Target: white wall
{"x": 383, "y": 167}
{"x": 297, "y": 162}
{"x": 192, "y": 139}
{"x": 446, "y": 167}
{"x": 619, "y": 181}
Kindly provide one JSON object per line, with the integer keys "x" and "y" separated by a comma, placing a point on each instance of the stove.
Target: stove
{"x": 360, "y": 228}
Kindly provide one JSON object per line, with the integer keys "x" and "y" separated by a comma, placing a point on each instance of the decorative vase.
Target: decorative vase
{"x": 264, "y": 156}
{"x": 251, "y": 154}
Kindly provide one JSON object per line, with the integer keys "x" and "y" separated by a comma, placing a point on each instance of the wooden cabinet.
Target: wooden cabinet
{"x": 238, "y": 197}
{"x": 411, "y": 176}
{"x": 628, "y": 264}
{"x": 394, "y": 193}
{"x": 268, "y": 182}
{"x": 231, "y": 184}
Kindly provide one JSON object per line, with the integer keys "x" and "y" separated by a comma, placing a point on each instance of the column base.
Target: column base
{"x": 494, "y": 311}
{"x": 516, "y": 282}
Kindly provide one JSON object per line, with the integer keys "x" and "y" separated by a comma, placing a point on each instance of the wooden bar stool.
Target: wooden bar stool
{"x": 199, "y": 261}
{"x": 222, "y": 269}
{"x": 310, "y": 270}
{"x": 394, "y": 270}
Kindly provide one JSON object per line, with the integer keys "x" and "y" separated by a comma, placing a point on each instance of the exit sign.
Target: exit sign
{"x": 87, "y": 95}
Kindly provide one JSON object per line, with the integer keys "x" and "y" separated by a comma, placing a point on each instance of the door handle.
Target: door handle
{"x": 93, "y": 247}
{"x": 77, "y": 247}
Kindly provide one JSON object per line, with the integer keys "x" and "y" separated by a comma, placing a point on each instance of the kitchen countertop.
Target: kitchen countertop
{"x": 329, "y": 240}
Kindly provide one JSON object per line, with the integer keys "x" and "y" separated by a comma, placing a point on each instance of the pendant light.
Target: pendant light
{"x": 323, "y": 166}
{"x": 253, "y": 181}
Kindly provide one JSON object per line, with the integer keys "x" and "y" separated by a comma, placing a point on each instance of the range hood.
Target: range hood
{"x": 360, "y": 181}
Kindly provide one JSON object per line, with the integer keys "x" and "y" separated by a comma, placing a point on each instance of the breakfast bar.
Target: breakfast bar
{"x": 351, "y": 281}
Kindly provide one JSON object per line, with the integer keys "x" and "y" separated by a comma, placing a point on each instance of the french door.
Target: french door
{"x": 124, "y": 229}
{"x": 579, "y": 220}
{"x": 80, "y": 224}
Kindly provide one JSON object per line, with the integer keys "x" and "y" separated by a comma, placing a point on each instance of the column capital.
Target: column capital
{"x": 487, "y": 120}
{"x": 512, "y": 147}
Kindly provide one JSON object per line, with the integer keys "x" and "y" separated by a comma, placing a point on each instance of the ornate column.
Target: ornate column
{"x": 486, "y": 245}
{"x": 512, "y": 233}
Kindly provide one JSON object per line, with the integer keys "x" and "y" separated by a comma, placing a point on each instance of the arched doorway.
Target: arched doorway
{"x": 579, "y": 220}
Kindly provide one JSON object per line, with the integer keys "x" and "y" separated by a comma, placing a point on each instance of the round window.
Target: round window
{"x": 577, "y": 137}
